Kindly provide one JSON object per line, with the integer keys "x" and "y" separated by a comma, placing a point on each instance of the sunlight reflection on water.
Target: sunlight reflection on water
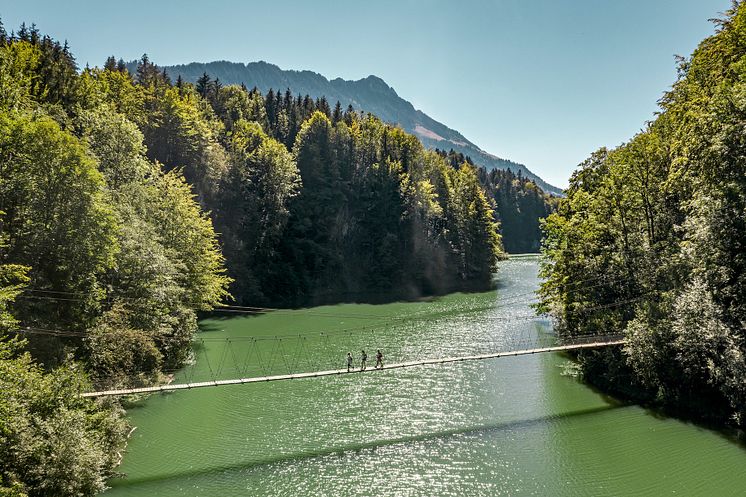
{"x": 513, "y": 426}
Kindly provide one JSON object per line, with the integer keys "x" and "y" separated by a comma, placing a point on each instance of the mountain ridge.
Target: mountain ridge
{"x": 370, "y": 94}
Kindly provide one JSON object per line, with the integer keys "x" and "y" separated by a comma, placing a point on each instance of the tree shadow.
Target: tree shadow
{"x": 367, "y": 446}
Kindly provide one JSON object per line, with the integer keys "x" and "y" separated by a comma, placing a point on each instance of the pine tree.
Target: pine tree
{"x": 203, "y": 85}
{"x": 144, "y": 70}
{"x": 278, "y": 103}
{"x": 110, "y": 64}
{"x": 23, "y": 34}
{"x": 337, "y": 114}
{"x": 349, "y": 115}
{"x": 34, "y": 34}
{"x": 308, "y": 107}
{"x": 215, "y": 88}
{"x": 271, "y": 108}
{"x": 322, "y": 105}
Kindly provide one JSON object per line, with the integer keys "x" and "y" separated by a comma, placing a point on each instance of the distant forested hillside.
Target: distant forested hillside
{"x": 520, "y": 205}
{"x": 651, "y": 242}
{"x": 370, "y": 94}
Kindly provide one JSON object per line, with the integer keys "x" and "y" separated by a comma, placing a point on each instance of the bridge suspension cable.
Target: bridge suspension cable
{"x": 317, "y": 374}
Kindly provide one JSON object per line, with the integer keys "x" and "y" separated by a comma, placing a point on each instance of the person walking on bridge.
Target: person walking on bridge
{"x": 349, "y": 361}
{"x": 379, "y": 359}
{"x": 363, "y": 360}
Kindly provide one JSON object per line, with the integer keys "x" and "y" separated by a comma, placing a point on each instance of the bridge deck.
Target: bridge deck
{"x": 331, "y": 372}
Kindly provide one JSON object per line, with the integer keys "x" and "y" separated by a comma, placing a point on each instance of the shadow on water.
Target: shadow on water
{"x": 369, "y": 298}
{"x": 732, "y": 434}
{"x": 213, "y": 323}
{"x": 372, "y": 445}
{"x": 502, "y": 285}
{"x": 355, "y": 298}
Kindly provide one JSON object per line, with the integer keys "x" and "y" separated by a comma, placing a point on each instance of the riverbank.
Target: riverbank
{"x": 609, "y": 372}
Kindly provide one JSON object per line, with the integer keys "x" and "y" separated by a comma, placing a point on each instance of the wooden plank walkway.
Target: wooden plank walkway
{"x": 331, "y": 372}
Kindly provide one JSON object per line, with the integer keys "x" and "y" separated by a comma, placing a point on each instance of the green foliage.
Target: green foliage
{"x": 651, "y": 238}
{"x": 105, "y": 257}
{"x": 168, "y": 263}
{"x": 253, "y": 208}
{"x": 17, "y": 76}
{"x": 118, "y": 145}
{"x": 520, "y": 206}
{"x": 108, "y": 238}
{"x": 474, "y": 231}
{"x": 37, "y": 70}
{"x": 13, "y": 278}
{"x": 370, "y": 223}
{"x": 234, "y": 104}
{"x": 181, "y": 133}
{"x": 381, "y": 223}
{"x": 361, "y": 182}
{"x": 52, "y": 441}
{"x": 57, "y": 220}
{"x": 121, "y": 354}
{"x": 187, "y": 235}
{"x": 518, "y": 203}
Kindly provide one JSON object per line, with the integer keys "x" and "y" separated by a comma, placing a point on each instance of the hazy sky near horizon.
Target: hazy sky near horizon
{"x": 543, "y": 83}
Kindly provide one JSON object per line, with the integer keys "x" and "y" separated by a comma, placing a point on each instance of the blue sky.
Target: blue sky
{"x": 542, "y": 82}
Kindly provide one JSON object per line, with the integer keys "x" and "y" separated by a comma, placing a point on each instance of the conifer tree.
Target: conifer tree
{"x": 337, "y": 114}
{"x": 110, "y": 64}
{"x": 3, "y": 34}
{"x": 23, "y": 34}
{"x": 203, "y": 85}
{"x": 349, "y": 115}
{"x": 145, "y": 70}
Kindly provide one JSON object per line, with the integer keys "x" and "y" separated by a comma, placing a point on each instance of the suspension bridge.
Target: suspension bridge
{"x": 592, "y": 342}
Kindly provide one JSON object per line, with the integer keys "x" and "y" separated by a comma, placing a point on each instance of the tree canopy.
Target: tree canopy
{"x": 650, "y": 242}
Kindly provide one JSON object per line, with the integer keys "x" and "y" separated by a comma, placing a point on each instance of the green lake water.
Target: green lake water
{"x": 509, "y": 426}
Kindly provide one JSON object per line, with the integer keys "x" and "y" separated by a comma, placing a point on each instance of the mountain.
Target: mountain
{"x": 370, "y": 94}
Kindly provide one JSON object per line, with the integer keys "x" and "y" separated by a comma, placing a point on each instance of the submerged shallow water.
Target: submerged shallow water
{"x": 509, "y": 426}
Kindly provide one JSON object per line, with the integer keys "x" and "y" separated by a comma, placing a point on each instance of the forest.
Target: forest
{"x": 651, "y": 242}
{"x": 520, "y": 204}
{"x": 130, "y": 204}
